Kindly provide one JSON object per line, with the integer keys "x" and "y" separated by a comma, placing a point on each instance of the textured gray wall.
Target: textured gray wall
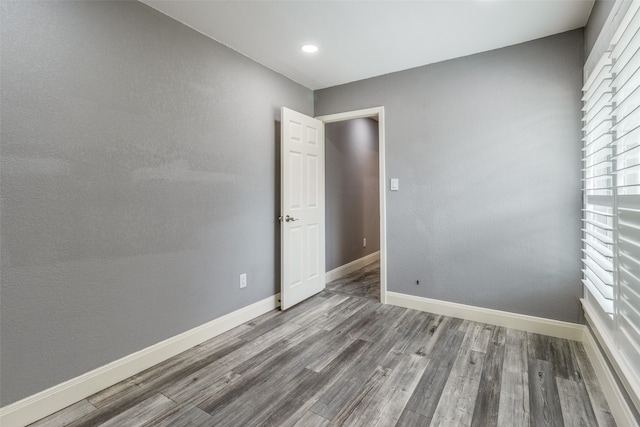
{"x": 352, "y": 190}
{"x": 599, "y": 14}
{"x": 487, "y": 150}
{"x": 138, "y": 182}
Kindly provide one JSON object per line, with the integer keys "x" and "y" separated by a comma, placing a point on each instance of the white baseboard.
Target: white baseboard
{"x": 617, "y": 403}
{"x": 539, "y": 325}
{"x": 343, "y": 270}
{"x": 62, "y": 395}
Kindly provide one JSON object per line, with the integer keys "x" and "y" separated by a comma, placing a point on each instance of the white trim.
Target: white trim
{"x": 69, "y": 392}
{"x": 357, "y": 264}
{"x": 383, "y": 205}
{"x": 623, "y": 371}
{"x": 378, "y": 114}
{"x": 523, "y": 322}
{"x": 617, "y": 403}
{"x": 350, "y": 115}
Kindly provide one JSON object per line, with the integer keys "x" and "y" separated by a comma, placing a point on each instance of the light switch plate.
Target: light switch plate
{"x": 395, "y": 184}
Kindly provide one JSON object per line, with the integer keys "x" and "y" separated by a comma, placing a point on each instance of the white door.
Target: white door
{"x": 302, "y": 207}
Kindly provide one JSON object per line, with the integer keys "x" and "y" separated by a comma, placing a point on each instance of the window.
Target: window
{"x": 611, "y": 184}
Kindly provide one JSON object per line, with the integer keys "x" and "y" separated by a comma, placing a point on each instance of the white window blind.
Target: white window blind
{"x": 611, "y": 172}
{"x": 626, "y": 179}
{"x": 598, "y": 186}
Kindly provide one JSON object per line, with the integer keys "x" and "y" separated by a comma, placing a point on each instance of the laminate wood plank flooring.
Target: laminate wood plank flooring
{"x": 514, "y": 394}
{"x": 343, "y": 359}
{"x": 543, "y": 395}
{"x": 596, "y": 396}
{"x": 364, "y": 283}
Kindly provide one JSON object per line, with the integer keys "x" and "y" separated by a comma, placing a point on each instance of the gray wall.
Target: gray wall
{"x": 487, "y": 150}
{"x": 599, "y": 14}
{"x": 138, "y": 182}
{"x": 352, "y": 191}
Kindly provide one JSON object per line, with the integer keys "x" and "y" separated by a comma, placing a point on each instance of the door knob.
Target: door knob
{"x": 287, "y": 218}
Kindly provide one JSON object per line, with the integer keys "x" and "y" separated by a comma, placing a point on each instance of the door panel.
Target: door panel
{"x": 302, "y": 207}
{"x": 295, "y": 180}
{"x": 312, "y": 181}
{"x": 314, "y": 261}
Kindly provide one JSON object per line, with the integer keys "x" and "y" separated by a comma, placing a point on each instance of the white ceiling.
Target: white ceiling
{"x": 362, "y": 39}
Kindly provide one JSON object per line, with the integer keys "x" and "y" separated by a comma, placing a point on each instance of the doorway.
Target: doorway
{"x": 356, "y": 224}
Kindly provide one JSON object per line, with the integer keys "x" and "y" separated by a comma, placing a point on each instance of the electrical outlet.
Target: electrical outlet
{"x": 243, "y": 280}
{"x": 364, "y": 242}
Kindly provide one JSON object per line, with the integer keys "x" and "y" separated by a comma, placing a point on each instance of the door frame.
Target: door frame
{"x": 376, "y": 113}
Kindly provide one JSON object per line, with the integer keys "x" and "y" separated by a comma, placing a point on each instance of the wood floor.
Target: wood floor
{"x": 363, "y": 283}
{"x": 341, "y": 358}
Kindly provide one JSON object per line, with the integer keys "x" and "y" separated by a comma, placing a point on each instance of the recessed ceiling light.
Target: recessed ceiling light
{"x": 309, "y": 48}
